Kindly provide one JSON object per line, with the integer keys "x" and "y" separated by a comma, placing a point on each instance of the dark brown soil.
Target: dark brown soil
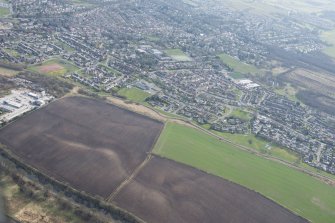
{"x": 95, "y": 147}
{"x": 165, "y": 191}
{"x": 87, "y": 143}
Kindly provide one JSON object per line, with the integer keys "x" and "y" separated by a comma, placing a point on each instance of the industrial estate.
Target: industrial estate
{"x": 167, "y": 111}
{"x": 20, "y": 102}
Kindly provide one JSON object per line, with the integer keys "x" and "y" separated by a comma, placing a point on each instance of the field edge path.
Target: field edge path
{"x": 129, "y": 178}
{"x": 147, "y": 111}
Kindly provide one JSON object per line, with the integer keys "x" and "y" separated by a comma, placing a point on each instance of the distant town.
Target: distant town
{"x": 214, "y": 72}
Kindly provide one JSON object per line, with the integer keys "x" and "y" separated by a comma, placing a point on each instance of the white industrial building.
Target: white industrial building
{"x": 12, "y": 103}
{"x": 247, "y": 84}
{"x": 21, "y": 101}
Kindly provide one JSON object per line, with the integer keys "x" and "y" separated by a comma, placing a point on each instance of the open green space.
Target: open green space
{"x": 65, "y": 46}
{"x": 177, "y": 54}
{"x": 167, "y": 114}
{"x": 206, "y": 126}
{"x": 329, "y": 37}
{"x": 83, "y": 3}
{"x": 134, "y": 94}
{"x": 110, "y": 69}
{"x": 4, "y": 12}
{"x": 260, "y": 145}
{"x": 239, "y": 67}
{"x": 236, "y": 75}
{"x": 54, "y": 67}
{"x": 8, "y": 72}
{"x": 153, "y": 38}
{"x": 12, "y": 52}
{"x": 78, "y": 1}
{"x": 288, "y": 91}
{"x": 297, "y": 191}
{"x": 269, "y": 148}
{"x": 190, "y": 2}
{"x": 240, "y": 114}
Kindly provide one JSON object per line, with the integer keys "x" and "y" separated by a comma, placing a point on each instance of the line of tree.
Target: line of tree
{"x": 13, "y": 66}
{"x": 91, "y": 202}
{"x": 53, "y": 86}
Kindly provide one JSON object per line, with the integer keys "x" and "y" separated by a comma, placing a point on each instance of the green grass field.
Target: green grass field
{"x": 237, "y": 75}
{"x": 153, "y": 38}
{"x": 12, "y": 52}
{"x": 288, "y": 91}
{"x": 177, "y": 54}
{"x": 260, "y": 145}
{"x": 329, "y": 37}
{"x": 239, "y": 66}
{"x": 8, "y": 72}
{"x": 167, "y": 114}
{"x": 65, "y": 46}
{"x": 295, "y": 190}
{"x": 238, "y": 113}
{"x": 62, "y": 67}
{"x": 4, "y": 12}
{"x": 190, "y": 2}
{"x": 110, "y": 69}
{"x": 134, "y": 94}
{"x": 82, "y": 2}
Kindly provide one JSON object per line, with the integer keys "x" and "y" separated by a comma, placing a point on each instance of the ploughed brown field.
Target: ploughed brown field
{"x": 91, "y": 145}
{"x": 165, "y": 191}
{"x": 96, "y": 147}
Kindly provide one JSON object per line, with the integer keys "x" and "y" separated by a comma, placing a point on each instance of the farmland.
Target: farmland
{"x": 86, "y": 144}
{"x": 97, "y": 147}
{"x": 312, "y": 198}
{"x": 177, "y": 55}
{"x": 89, "y": 144}
{"x": 272, "y": 7}
{"x": 177, "y": 193}
{"x": 318, "y": 88}
{"x": 316, "y": 81}
{"x": 251, "y": 141}
{"x": 268, "y": 148}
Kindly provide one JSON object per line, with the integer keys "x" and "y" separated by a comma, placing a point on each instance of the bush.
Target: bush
{"x": 53, "y": 86}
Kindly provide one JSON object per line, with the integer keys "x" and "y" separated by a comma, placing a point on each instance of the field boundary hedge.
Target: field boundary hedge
{"x": 80, "y": 197}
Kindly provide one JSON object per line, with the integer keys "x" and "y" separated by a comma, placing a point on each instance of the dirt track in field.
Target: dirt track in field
{"x": 165, "y": 191}
{"x": 92, "y": 145}
{"x": 158, "y": 116}
{"x": 137, "y": 108}
{"x": 105, "y": 150}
